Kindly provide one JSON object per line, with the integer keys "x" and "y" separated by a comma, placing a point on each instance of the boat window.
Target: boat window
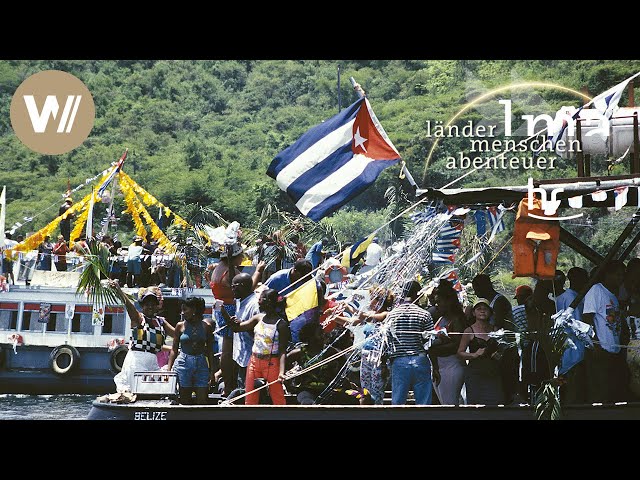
{"x": 61, "y": 323}
{"x": 114, "y": 323}
{"x": 8, "y": 318}
{"x": 26, "y": 320}
{"x": 82, "y": 323}
{"x": 34, "y": 324}
{"x": 57, "y": 323}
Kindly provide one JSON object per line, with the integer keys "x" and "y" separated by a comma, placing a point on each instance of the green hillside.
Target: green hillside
{"x": 202, "y": 133}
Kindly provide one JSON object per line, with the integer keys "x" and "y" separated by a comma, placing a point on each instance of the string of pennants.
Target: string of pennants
{"x": 448, "y": 240}
{"x": 489, "y": 222}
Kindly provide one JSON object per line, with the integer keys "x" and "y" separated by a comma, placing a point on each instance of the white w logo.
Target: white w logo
{"x": 39, "y": 120}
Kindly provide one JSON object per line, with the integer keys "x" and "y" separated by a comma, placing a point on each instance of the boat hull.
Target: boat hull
{"x": 93, "y": 350}
{"x": 29, "y": 371}
{"x": 162, "y": 410}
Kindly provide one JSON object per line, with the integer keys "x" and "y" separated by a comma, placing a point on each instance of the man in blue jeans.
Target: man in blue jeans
{"x": 410, "y": 365}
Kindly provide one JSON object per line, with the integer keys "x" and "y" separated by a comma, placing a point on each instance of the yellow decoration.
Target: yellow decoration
{"x": 33, "y": 241}
{"x": 78, "y": 227}
{"x": 134, "y": 207}
{"x": 150, "y": 200}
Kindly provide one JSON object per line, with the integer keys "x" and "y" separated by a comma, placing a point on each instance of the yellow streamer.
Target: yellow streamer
{"x": 150, "y": 200}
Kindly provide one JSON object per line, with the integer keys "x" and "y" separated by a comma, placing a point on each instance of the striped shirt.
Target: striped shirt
{"x": 406, "y": 323}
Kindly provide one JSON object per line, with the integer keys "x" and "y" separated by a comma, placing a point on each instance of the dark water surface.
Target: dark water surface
{"x": 15, "y": 406}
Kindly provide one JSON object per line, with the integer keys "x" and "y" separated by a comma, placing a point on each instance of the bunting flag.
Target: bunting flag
{"x": 443, "y": 257}
{"x": 149, "y": 200}
{"x": 353, "y": 254}
{"x": 481, "y": 222}
{"x": 452, "y": 277}
{"x": 620, "y": 197}
{"x": 575, "y": 202}
{"x": 137, "y": 210}
{"x": 599, "y": 196}
{"x": 334, "y": 161}
{"x": 427, "y": 214}
{"x": 495, "y": 219}
{"x": 448, "y": 243}
{"x": 114, "y": 171}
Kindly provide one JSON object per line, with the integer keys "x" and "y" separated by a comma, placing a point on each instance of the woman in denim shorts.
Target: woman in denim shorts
{"x": 192, "y": 353}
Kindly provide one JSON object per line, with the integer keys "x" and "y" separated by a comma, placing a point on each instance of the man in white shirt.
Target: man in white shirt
{"x": 578, "y": 278}
{"x": 7, "y": 263}
{"x": 607, "y": 370}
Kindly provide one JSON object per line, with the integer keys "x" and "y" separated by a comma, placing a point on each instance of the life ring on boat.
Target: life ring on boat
{"x": 16, "y": 338}
{"x": 64, "y": 358}
{"x": 335, "y": 274}
{"x": 117, "y": 357}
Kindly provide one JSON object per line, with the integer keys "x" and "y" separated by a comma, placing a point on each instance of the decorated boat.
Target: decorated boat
{"x": 166, "y": 408}
{"x": 55, "y": 334}
{"x": 53, "y": 340}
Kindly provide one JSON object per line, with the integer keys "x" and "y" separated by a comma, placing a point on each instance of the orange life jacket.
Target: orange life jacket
{"x": 536, "y": 242}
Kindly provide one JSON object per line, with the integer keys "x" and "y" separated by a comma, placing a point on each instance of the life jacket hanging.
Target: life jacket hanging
{"x": 536, "y": 242}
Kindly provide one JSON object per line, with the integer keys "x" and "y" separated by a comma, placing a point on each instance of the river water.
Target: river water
{"x": 45, "y": 407}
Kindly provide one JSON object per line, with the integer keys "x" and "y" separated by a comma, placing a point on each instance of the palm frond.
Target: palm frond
{"x": 546, "y": 402}
{"x": 96, "y": 270}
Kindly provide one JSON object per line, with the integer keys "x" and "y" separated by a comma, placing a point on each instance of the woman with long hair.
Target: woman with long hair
{"x": 448, "y": 368}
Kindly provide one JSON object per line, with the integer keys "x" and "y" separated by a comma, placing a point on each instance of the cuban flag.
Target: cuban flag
{"x": 335, "y": 161}
{"x": 607, "y": 102}
{"x": 495, "y": 219}
{"x": 620, "y": 197}
{"x": 443, "y": 256}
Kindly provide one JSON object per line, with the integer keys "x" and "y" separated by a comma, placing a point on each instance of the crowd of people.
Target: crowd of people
{"x": 464, "y": 361}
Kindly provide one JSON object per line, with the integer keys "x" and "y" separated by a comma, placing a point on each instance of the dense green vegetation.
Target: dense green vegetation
{"x": 203, "y": 132}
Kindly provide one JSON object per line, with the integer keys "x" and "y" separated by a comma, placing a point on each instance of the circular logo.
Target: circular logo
{"x": 52, "y": 112}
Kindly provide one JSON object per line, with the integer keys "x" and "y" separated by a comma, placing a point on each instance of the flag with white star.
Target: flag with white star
{"x": 334, "y": 161}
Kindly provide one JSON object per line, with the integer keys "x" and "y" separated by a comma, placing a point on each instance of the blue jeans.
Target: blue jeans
{"x": 411, "y": 373}
{"x": 192, "y": 370}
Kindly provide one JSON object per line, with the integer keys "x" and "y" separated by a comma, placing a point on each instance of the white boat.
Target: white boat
{"x": 75, "y": 351}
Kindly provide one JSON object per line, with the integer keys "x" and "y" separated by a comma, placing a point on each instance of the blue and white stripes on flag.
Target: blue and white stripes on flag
{"x": 495, "y": 219}
{"x": 607, "y": 102}
{"x": 113, "y": 173}
{"x": 334, "y": 161}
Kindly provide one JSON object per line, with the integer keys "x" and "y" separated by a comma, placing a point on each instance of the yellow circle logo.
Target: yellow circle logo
{"x": 52, "y": 112}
